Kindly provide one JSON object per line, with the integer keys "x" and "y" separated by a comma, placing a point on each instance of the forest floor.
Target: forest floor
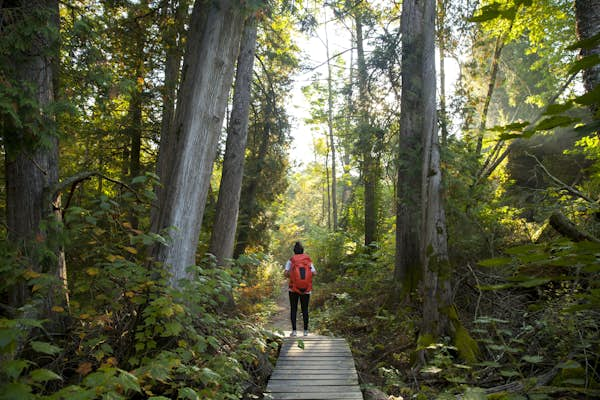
{"x": 280, "y": 321}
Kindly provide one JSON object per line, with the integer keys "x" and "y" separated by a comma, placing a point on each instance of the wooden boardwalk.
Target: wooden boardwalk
{"x": 322, "y": 370}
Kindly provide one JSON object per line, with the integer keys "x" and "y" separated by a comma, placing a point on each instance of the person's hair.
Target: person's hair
{"x": 298, "y": 249}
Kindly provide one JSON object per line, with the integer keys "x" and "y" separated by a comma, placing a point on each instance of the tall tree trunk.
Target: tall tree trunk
{"x": 490, "y": 92}
{"x": 172, "y": 41}
{"x": 434, "y": 244}
{"x": 369, "y": 167}
{"x": 410, "y": 156}
{"x": 587, "y": 13}
{"x": 224, "y": 228}
{"x": 31, "y": 150}
{"x": 213, "y": 46}
{"x": 331, "y": 137}
{"x": 441, "y": 32}
{"x": 248, "y": 201}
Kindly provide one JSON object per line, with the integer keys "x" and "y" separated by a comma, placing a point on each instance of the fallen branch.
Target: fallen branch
{"x": 522, "y": 385}
{"x": 565, "y": 227}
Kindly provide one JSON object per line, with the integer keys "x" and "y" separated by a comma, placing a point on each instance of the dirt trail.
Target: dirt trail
{"x": 281, "y": 319}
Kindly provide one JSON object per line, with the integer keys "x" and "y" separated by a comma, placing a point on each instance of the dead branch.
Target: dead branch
{"x": 562, "y": 186}
{"x": 565, "y": 227}
{"x": 74, "y": 181}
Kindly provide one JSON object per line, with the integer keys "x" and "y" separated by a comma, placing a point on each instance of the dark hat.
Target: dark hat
{"x": 298, "y": 249}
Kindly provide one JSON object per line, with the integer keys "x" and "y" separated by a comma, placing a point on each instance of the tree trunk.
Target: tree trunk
{"x": 490, "y": 92}
{"x": 172, "y": 41}
{"x": 223, "y": 235}
{"x": 248, "y": 198}
{"x": 213, "y": 45}
{"x": 410, "y": 157}
{"x": 31, "y": 153}
{"x": 434, "y": 244}
{"x": 369, "y": 167}
{"x": 587, "y": 13}
{"x": 441, "y": 32}
{"x": 331, "y": 137}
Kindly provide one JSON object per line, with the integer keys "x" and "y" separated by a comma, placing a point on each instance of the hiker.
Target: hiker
{"x": 299, "y": 269}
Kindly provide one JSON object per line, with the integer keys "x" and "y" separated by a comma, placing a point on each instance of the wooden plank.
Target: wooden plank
{"x": 314, "y": 396}
{"x": 311, "y": 389}
{"x": 338, "y": 362}
{"x": 312, "y": 382}
{"x": 283, "y": 374}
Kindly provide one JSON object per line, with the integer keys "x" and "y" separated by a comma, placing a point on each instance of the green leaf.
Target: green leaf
{"x": 534, "y": 282}
{"x": 14, "y": 368}
{"x": 587, "y": 44}
{"x": 44, "y": 375}
{"x": 574, "y": 381}
{"x": 589, "y": 98}
{"x": 509, "y": 373}
{"x": 586, "y": 62}
{"x": 139, "y": 179}
{"x": 300, "y": 344}
{"x": 496, "y": 262}
{"x": 487, "y": 13}
{"x": 554, "y": 122}
{"x": 16, "y": 391}
{"x": 172, "y": 329}
{"x": 492, "y": 364}
{"x": 475, "y": 394}
{"x": 188, "y": 393}
{"x": 128, "y": 381}
{"x": 7, "y": 338}
{"x": 46, "y": 348}
{"x": 570, "y": 364}
{"x": 554, "y": 109}
{"x": 533, "y": 359}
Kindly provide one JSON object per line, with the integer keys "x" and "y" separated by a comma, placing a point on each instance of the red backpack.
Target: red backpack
{"x": 300, "y": 274}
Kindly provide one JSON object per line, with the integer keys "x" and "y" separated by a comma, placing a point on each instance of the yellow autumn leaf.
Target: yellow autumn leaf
{"x": 35, "y": 288}
{"x": 130, "y": 250}
{"x": 111, "y": 361}
{"x": 58, "y": 309}
{"x": 31, "y": 274}
{"x": 92, "y": 271}
{"x": 127, "y": 225}
{"x": 129, "y": 294}
{"x": 84, "y": 316}
{"x": 178, "y": 308}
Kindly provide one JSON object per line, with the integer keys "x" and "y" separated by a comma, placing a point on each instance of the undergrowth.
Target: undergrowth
{"x": 125, "y": 333}
{"x": 536, "y": 328}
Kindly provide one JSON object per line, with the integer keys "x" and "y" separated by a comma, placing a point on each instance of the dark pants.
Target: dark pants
{"x": 304, "y": 298}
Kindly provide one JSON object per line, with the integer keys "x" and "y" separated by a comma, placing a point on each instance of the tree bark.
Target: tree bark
{"x": 172, "y": 41}
{"x": 410, "y": 157}
{"x": 490, "y": 92}
{"x": 568, "y": 229}
{"x": 223, "y": 235}
{"x": 331, "y": 136}
{"x": 213, "y": 45}
{"x": 31, "y": 148}
{"x": 248, "y": 198}
{"x": 369, "y": 164}
{"x": 434, "y": 245}
{"x": 587, "y": 13}
{"x": 441, "y": 32}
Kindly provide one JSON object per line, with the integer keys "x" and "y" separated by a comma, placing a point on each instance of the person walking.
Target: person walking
{"x": 300, "y": 270}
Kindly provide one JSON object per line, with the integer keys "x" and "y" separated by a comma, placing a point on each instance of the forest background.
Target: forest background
{"x": 456, "y": 235}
